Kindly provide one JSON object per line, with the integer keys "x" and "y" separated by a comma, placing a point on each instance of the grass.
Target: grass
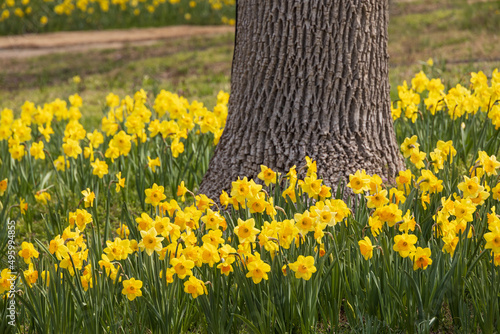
{"x": 461, "y": 37}
{"x": 196, "y": 67}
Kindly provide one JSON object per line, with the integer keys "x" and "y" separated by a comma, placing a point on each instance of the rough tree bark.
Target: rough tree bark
{"x": 309, "y": 77}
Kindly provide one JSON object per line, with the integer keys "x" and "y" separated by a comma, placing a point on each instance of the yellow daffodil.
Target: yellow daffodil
{"x": 303, "y": 267}
{"x": 132, "y": 288}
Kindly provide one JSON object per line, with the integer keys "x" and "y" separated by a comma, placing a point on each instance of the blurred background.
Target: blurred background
{"x": 53, "y": 48}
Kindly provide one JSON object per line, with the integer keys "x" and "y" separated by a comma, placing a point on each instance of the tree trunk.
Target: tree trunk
{"x": 309, "y": 78}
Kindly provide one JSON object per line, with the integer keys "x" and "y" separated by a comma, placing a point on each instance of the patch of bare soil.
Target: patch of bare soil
{"x": 32, "y": 45}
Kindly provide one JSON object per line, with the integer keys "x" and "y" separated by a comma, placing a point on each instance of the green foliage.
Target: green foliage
{"x": 35, "y": 16}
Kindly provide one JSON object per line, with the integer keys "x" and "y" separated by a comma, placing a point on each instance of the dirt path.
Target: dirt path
{"x": 31, "y": 45}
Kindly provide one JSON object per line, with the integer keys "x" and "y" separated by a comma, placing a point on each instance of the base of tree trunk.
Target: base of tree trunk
{"x": 309, "y": 78}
